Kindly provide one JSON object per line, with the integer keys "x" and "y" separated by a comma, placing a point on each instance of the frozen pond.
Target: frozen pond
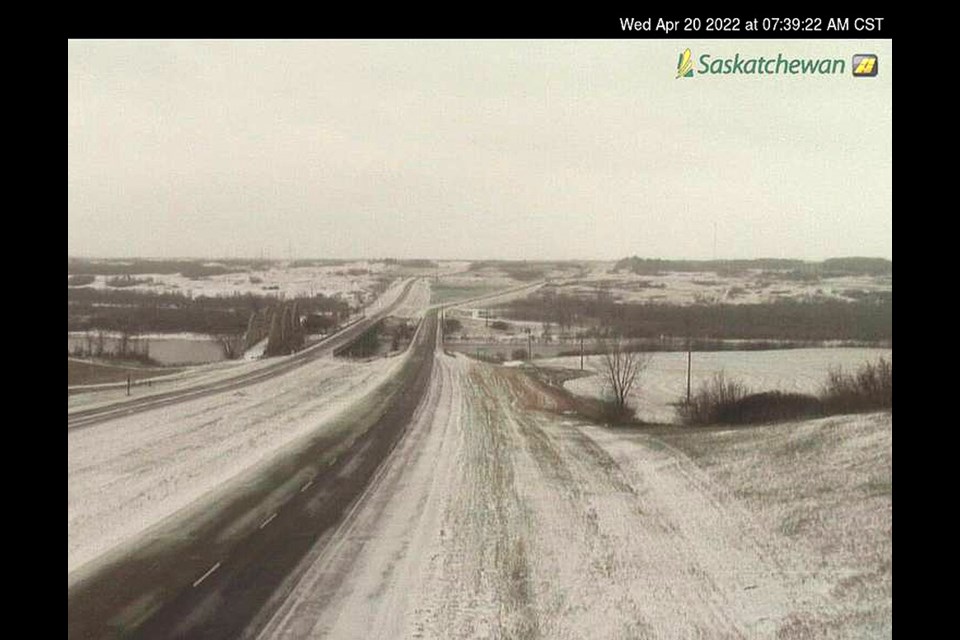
{"x": 665, "y": 379}
{"x": 180, "y": 348}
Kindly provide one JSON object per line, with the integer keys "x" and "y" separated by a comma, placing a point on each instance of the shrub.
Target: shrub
{"x": 869, "y": 389}
{"x": 500, "y": 325}
{"x": 613, "y": 412}
{"x": 722, "y": 401}
{"x": 80, "y": 280}
{"x": 713, "y": 398}
{"x": 518, "y": 354}
{"x": 451, "y": 325}
{"x": 770, "y": 406}
{"x": 606, "y": 411}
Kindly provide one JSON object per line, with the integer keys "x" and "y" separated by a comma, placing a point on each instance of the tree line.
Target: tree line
{"x": 831, "y": 267}
{"x": 869, "y": 320}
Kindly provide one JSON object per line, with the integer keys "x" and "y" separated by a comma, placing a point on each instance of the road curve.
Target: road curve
{"x": 88, "y": 417}
{"x": 209, "y": 575}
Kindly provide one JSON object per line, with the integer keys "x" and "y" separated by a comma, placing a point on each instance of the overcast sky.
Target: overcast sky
{"x": 473, "y": 149}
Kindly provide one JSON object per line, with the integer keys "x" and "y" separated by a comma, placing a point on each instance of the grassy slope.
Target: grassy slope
{"x": 822, "y": 489}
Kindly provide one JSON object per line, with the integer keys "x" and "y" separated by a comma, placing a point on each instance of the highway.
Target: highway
{"x": 210, "y": 572}
{"x": 454, "y": 498}
{"x": 219, "y": 568}
{"x": 87, "y": 417}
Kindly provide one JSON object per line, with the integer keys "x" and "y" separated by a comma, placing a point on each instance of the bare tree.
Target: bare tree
{"x": 231, "y": 344}
{"x": 621, "y": 367}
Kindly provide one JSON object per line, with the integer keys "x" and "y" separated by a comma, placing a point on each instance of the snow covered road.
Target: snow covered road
{"x": 499, "y": 513}
{"x": 209, "y": 567}
{"x": 127, "y": 474}
{"x": 497, "y": 519}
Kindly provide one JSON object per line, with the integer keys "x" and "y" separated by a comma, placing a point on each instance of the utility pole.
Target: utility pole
{"x": 581, "y": 350}
{"x": 689, "y": 357}
{"x": 529, "y": 345}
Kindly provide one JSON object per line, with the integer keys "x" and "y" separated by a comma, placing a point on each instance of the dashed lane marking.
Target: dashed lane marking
{"x": 267, "y": 521}
{"x": 206, "y": 575}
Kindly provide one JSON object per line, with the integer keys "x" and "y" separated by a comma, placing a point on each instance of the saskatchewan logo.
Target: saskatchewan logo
{"x": 685, "y": 65}
{"x": 773, "y": 64}
{"x": 865, "y": 65}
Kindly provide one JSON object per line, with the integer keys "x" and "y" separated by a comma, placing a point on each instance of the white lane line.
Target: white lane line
{"x": 206, "y": 575}
{"x": 306, "y": 486}
{"x": 267, "y": 521}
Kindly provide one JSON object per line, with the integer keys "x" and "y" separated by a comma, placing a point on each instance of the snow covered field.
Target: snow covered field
{"x": 665, "y": 380}
{"x": 495, "y": 518}
{"x": 328, "y": 280}
{"x": 127, "y": 474}
{"x": 751, "y": 287}
{"x": 823, "y": 491}
{"x": 354, "y": 280}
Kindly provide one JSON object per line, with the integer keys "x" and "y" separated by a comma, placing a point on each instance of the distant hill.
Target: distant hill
{"x": 136, "y": 266}
{"x": 828, "y": 268}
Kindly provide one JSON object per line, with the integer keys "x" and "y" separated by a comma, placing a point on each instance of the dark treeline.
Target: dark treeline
{"x": 799, "y": 269}
{"x": 867, "y": 321}
{"x": 285, "y": 333}
{"x": 677, "y": 343}
{"x": 81, "y": 280}
{"x": 521, "y": 270}
{"x": 859, "y": 266}
{"x": 126, "y": 310}
{"x": 325, "y": 262}
{"x": 187, "y": 268}
{"x": 412, "y": 263}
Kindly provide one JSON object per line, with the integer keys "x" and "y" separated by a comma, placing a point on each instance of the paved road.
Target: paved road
{"x": 501, "y": 516}
{"x": 208, "y": 575}
{"x": 93, "y": 416}
{"x": 219, "y": 569}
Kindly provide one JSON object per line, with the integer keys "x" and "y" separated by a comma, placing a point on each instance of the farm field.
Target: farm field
{"x": 353, "y": 280}
{"x": 750, "y": 287}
